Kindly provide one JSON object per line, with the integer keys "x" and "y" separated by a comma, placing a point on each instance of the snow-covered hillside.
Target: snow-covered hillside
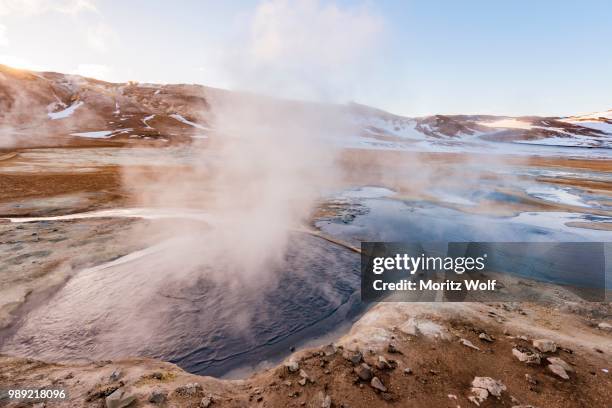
{"x": 62, "y": 106}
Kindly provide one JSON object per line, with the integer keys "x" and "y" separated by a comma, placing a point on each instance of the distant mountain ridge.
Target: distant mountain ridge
{"x": 32, "y": 103}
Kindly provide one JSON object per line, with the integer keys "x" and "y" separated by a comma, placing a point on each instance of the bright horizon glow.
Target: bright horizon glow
{"x": 547, "y": 58}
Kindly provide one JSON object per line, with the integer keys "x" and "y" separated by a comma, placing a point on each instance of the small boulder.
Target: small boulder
{"x": 560, "y": 362}
{"x": 407, "y": 371}
{"x": 292, "y": 366}
{"x": 531, "y": 379}
{"x": 558, "y": 370}
{"x": 354, "y": 357}
{"x": 392, "y": 349}
{"x": 206, "y": 401}
{"x": 327, "y": 402}
{"x": 115, "y": 375}
{"x": 478, "y": 395}
{"x": 382, "y": 363}
{"x": 494, "y": 387}
{"x": 378, "y": 385}
{"x": 304, "y": 375}
{"x": 120, "y": 398}
{"x": 329, "y": 350}
{"x": 526, "y": 357}
{"x": 158, "y": 397}
{"x": 321, "y": 400}
{"x": 468, "y": 343}
{"x": 485, "y": 337}
{"x": 605, "y": 326}
{"x": 545, "y": 345}
{"x": 364, "y": 372}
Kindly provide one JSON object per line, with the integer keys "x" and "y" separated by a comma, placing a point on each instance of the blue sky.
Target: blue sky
{"x": 408, "y": 57}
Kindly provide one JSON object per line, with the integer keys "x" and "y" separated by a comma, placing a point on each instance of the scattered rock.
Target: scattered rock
{"x": 545, "y": 345}
{"x": 206, "y": 402}
{"x": 392, "y": 349}
{"x": 407, "y": 371}
{"x": 468, "y": 343}
{"x": 157, "y": 375}
{"x": 302, "y": 381}
{"x": 478, "y": 395}
{"x": 321, "y": 400}
{"x": 292, "y": 366}
{"x": 119, "y": 399}
{"x": 364, "y": 372}
{"x": 354, "y": 357}
{"x": 304, "y": 375}
{"x": 329, "y": 350}
{"x": 531, "y": 379}
{"x": 485, "y": 337}
{"x": 604, "y": 326}
{"x": 526, "y": 356}
{"x": 115, "y": 375}
{"x": 560, "y": 362}
{"x": 558, "y": 370}
{"x": 494, "y": 387}
{"x": 382, "y": 363}
{"x": 158, "y": 397}
{"x": 378, "y": 385}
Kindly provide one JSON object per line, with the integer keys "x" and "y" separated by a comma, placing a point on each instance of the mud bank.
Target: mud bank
{"x": 422, "y": 355}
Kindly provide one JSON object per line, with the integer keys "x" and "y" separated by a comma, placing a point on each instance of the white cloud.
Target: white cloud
{"x": 311, "y": 31}
{"x": 97, "y": 71}
{"x": 29, "y": 7}
{"x": 307, "y": 48}
{"x": 101, "y": 37}
{"x": 3, "y": 38}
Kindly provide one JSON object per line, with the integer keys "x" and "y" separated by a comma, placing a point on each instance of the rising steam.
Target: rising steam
{"x": 268, "y": 159}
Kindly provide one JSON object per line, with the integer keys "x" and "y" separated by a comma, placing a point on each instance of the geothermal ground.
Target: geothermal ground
{"x": 112, "y": 285}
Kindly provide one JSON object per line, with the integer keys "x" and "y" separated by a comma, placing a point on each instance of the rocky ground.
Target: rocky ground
{"x": 398, "y": 354}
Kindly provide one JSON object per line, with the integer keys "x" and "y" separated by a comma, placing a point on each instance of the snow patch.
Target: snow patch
{"x": 507, "y": 123}
{"x": 66, "y": 113}
{"x": 556, "y": 195}
{"x": 367, "y": 192}
{"x": 187, "y": 122}
{"x": 102, "y": 134}
{"x": 145, "y": 120}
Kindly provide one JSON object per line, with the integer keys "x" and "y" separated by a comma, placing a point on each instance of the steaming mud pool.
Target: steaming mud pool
{"x": 137, "y": 305}
{"x": 212, "y": 320}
